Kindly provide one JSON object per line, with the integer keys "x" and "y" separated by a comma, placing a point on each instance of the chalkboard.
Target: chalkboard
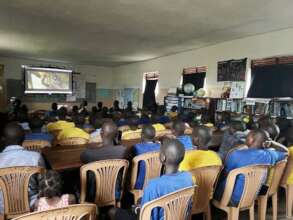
{"x": 232, "y": 70}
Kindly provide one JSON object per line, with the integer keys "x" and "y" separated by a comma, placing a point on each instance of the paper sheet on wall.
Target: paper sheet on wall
{"x": 237, "y": 90}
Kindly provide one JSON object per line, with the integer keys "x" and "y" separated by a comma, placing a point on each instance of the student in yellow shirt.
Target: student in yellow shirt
{"x": 202, "y": 157}
{"x": 75, "y": 132}
{"x": 134, "y": 132}
{"x": 61, "y": 123}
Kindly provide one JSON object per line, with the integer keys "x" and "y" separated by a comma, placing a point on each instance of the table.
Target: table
{"x": 64, "y": 157}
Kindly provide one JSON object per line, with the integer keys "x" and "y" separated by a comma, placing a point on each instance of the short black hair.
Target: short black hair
{"x": 203, "y": 133}
{"x": 148, "y": 132}
{"x": 54, "y": 106}
{"x": 179, "y": 127}
{"x": 62, "y": 112}
{"x": 35, "y": 123}
{"x": 13, "y": 134}
{"x": 173, "y": 150}
{"x": 272, "y": 129}
{"x": 79, "y": 120}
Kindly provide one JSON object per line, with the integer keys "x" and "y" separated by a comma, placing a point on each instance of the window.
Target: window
{"x": 271, "y": 77}
{"x": 195, "y": 76}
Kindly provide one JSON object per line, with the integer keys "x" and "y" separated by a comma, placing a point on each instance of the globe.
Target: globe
{"x": 188, "y": 88}
{"x": 200, "y": 93}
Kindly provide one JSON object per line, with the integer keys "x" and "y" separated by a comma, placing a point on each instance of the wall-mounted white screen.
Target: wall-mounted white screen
{"x": 40, "y": 80}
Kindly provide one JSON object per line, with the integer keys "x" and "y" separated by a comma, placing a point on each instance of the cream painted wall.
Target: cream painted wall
{"x": 170, "y": 67}
{"x": 101, "y": 75}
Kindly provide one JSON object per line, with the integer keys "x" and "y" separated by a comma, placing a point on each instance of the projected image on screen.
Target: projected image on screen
{"x": 48, "y": 81}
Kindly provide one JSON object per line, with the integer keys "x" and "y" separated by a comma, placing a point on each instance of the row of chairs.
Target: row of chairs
{"x": 14, "y": 184}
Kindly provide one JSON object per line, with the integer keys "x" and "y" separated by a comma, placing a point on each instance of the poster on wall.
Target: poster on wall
{"x": 237, "y": 90}
{"x": 125, "y": 95}
{"x": 232, "y": 70}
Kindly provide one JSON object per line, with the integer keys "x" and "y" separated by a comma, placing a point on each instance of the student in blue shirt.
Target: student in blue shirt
{"x": 258, "y": 152}
{"x": 178, "y": 129}
{"x": 171, "y": 154}
{"x": 36, "y": 125}
{"x": 147, "y": 144}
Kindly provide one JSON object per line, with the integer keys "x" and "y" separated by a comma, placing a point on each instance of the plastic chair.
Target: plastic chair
{"x": 106, "y": 174}
{"x": 254, "y": 176}
{"x": 72, "y": 212}
{"x": 205, "y": 179}
{"x": 14, "y": 183}
{"x": 72, "y": 141}
{"x": 288, "y": 186}
{"x": 153, "y": 167}
{"x": 272, "y": 191}
{"x": 175, "y": 205}
{"x": 35, "y": 145}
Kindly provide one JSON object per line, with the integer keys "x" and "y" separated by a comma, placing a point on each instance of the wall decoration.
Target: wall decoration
{"x": 232, "y": 70}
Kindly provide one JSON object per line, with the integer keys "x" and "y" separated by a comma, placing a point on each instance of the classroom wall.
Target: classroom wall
{"x": 102, "y": 76}
{"x": 170, "y": 67}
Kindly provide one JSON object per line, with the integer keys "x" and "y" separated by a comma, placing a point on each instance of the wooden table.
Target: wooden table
{"x": 64, "y": 157}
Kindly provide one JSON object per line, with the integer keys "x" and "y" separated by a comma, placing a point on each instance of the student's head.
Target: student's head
{"x": 97, "y": 123}
{"x": 54, "y": 106}
{"x": 148, "y": 133}
{"x": 50, "y": 184}
{"x": 133, "y": 123}
{"x": 75, "y": 109}
{"x": 62, "y": 112}
{"x": 201, "y": 136}
{"x": 79, "y": 120}
{"x": 109, "y": 131}
{"x": 36, "y": 124}
{"x": 129, "y": 105}
{"x": 13, "y": 134}
{"x": 236, "y": 126}
{"x": 174, "y": 108}
{"x": 22, "y": 116}
{"x": 178, "y": 128}
{"x": 94, "y": 110}
{"x": 116, "y": 104}
{"x": 171, "y": 152}
{"x": 84, "y": 103}
{"x": 100, "y": 105}
{"x": 256, "y": 138}
{"x": 272, "y": 129}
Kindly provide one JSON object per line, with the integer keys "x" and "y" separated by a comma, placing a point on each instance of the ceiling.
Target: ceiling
{"x": 117, "y": 32}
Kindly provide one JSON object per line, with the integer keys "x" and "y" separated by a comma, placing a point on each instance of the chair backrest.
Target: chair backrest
{"x": 288, "y": 170}
{"x": 153, "y": 167}
{"x": 72, "y": 141}
{"x": 14, "y": 183}
{"x": 278, "y": 171}
{"x": 241, "y": 147}
{"x": 205, "y": 179}
{"x": 254, "y": 176}
{"x": 72, "y": 212}
{"x": 106, "y": 174}
{"x": 35, "y": 145}
{"x": 175, "y": 205}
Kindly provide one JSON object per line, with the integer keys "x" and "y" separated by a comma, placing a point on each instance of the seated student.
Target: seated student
{"x": 202, "y": 157}
{"x": 61, "y": 123}
{"x": 289, "y": 140}
{"x": 36, "y": 125}
{"x": 22, "y": 118}
{"x": 50, "y": 192}
{"x": 178, "y": 129}
{"x": 107, "y": 150}
{"x": 100, "y": 106}
{"x": 134, "y": 131}
{"x": 173, "y": 113}
{"x": 83, "y": 108}
{"x": 15, "y": 155}
{"x": 147, "y": 144}
{"x": 257, "y": 153}
{"x": 75, "y": 132}
{"x": 234, "y": 136}
{"x": 96, "y": 134}
{"x": 53, "y": 112}
{"x": 272, "y": 129}
{"x": 171, "y": 155}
